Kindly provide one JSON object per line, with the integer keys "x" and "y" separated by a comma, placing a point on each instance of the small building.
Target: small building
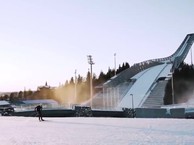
{"x": 47, "y": 103}
{"x": 4, "y": 104}
{"x": 5, "y": 107}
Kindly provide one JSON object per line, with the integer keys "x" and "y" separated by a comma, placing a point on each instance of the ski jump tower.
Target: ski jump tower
{"x": 143, "y": 84}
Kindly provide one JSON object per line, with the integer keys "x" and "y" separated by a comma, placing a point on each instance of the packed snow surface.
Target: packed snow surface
{"x": 95, "y": 131}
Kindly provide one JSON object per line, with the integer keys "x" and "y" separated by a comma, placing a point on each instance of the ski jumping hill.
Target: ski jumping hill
{"x": 143, "y": 84}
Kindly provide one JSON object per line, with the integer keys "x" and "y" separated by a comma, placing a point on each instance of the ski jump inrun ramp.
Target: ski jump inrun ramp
{"x": 143, "y": 77}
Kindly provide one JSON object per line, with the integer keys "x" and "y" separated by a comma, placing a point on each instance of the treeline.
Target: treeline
{"x": 72, "y": 92}
{"x": 78, "y": 91}
{"x": 183, "y": 84}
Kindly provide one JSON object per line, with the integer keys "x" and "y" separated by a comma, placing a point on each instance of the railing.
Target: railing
{"x": 130, "y": 72}
{"x": 30, "y": 107}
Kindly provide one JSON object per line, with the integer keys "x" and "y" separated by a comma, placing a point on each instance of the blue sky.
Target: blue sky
{"x": 46, "y": 40}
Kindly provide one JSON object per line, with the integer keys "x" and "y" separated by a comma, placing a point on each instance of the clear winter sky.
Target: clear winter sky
{"x": 46, "y": 40}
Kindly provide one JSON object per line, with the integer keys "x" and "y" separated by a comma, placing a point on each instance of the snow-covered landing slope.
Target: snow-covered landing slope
{"x": 95, "y": 131}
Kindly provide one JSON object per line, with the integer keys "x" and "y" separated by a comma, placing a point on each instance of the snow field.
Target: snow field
{"x": 96, "y": 131}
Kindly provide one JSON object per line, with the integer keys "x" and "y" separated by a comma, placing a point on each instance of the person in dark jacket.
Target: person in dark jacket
{"x": 38, "y": 110}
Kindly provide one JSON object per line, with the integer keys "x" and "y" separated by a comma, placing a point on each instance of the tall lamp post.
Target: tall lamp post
{"x": 191, "y": 56}
{"x": 75, "y": 86}
{"x": 172, "y": 84}
{"x": 172, "y": 78}
{"x": 90, "y": 61}
{"x": 115, "y": 62}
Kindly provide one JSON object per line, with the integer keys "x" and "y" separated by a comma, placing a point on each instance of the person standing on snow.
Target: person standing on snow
{"x": 38, "y": 110}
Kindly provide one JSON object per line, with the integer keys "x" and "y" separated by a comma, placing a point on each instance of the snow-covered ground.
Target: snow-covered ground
{"x": 96, "y": 131}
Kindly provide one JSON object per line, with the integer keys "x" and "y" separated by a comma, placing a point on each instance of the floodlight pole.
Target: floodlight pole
{"x": 75, "y": 97}
{"x": 90, "y": 61}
